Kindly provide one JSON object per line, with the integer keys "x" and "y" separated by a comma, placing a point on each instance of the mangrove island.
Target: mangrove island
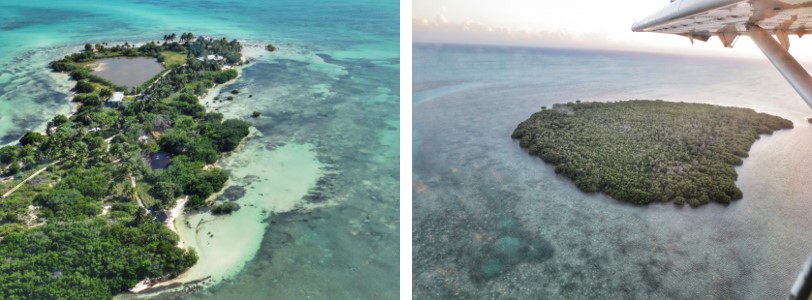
{"x": 644, "y": 151}
{"x": 83, "y": 203}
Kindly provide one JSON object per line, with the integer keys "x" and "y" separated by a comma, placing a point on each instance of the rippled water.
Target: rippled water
{"x": 318, "y": 178}
{"x": 491, "y": 222}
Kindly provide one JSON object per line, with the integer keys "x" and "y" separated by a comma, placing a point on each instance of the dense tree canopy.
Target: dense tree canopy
{"x": 89, "y": 259}
{"x": 648, "y": 151}
{"x": 32, "y": 138}
{"x": 80, "y": 230}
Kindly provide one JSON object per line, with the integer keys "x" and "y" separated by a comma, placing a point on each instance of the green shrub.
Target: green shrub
{"x": 225, "y": 208}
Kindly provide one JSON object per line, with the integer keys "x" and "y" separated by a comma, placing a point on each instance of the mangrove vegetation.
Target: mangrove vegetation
{"x": 80, "y": 200}
{"x": 648, "y": 151}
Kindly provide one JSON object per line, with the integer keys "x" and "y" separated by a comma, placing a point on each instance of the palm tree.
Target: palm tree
{"x": 189, "y": 37}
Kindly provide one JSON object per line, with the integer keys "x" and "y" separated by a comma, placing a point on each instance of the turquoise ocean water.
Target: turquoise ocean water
{"x": 492, "y": 222}
{"x": 329, "y": 101}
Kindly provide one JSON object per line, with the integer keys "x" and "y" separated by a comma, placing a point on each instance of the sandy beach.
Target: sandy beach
{"x": 274, "y": 182}
{"x": 176, "y": 211}
{"x": 98, "y": 66}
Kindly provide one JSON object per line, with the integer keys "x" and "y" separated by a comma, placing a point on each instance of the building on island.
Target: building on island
{"x": 211, "y": 57}
{"x": 117, "y": 98}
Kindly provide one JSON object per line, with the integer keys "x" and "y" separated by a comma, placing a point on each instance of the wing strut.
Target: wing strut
{"x": 783, "y": 61}
{"x": 802, "y": 289}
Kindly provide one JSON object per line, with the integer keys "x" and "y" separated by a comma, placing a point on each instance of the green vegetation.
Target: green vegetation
{"x": 225, "y": 208}
{"x": 80, "y": 229}
{"x": 171, "y": 59}
{"x": 270, "y": 48}
{"x": 256, "y": 114}
{"x": 648, "y": 151}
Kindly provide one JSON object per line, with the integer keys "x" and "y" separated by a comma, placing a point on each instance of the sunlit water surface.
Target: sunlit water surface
{"x": 492, "y": 222}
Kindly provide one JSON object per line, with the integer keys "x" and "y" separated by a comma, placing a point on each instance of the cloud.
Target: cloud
{"x": 440, "y": 30}
{"x": 441, "y": 19}
{"x": 564, "y": 24}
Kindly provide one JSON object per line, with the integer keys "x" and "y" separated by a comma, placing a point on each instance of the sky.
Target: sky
{"x": 597, "y": 24}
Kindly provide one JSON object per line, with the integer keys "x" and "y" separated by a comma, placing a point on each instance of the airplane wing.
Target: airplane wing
{"x": 729, "y": 19}
{"x": 760, "y": 20}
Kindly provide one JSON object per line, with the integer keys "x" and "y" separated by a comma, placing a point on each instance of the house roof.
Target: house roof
{"x": 117, "y": 97}
{"x": 211, "y": 57}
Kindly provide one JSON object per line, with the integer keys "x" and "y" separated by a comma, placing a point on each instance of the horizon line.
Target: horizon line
{"x": 593, "y": 49}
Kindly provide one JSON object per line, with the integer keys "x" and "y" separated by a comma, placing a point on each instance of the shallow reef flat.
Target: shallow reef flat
{"x": 479, "y": 198}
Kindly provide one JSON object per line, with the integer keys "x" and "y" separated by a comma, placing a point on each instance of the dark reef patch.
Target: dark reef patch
{"x": 232, "y": 193}
{"x": 507, "y": 251}
{"x": 323, "y": 189}
{"x": 12, "y": 136}
{"x": 489, "y": 241}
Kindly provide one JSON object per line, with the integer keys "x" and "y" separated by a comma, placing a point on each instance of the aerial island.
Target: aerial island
{"x": 84, "y": 203}
{"x": 644, "y": 151}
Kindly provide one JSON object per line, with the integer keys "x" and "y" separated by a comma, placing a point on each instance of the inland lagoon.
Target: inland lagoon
{"x": 127, "y": 71}
{"x": 316, "y": 180}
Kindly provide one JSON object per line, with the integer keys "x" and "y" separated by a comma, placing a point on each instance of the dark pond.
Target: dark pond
{"x": 159, "y": 160}
{"x": 127, "y": 71}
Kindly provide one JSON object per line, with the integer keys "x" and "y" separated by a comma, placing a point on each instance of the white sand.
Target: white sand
{"x": 281, "y": 178}
{"x": 225, "y": 243}
{"x": 208, "y": 100}
{"x": 254, "y": 51}
{"x": 178, "y": 215}
{"x": 98, "y": 66}
{"x": 174, "y": 212}
{"x": 141, "y": 286}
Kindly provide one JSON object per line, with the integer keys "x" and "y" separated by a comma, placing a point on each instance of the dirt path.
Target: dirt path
{"x": 108, "y": 140}
{"x": 138, "y": 198}
{"x": 27, "y": 179}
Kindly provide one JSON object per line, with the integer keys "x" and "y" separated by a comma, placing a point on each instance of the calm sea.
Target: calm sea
{"x": 492, "y": 222}
{"x": 329, "y": 103}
